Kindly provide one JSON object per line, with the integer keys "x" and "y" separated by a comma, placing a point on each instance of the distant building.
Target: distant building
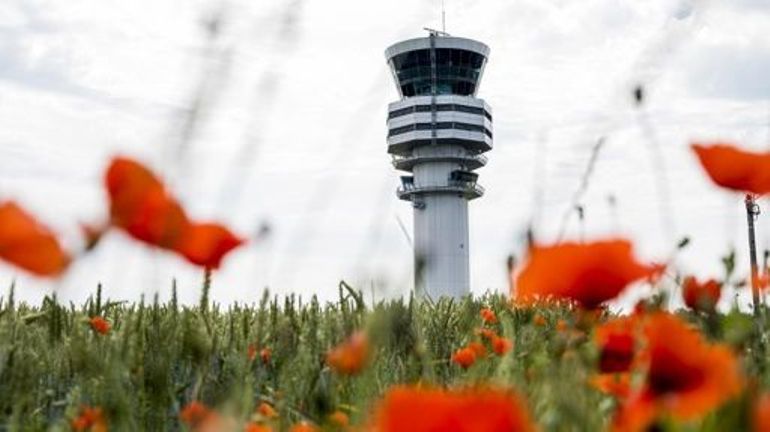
{"x": 437, "y": 133}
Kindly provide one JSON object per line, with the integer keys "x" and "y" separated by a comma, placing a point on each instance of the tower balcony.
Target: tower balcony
{"x": 470, "y": 161}
{"x": 468, "y": 190}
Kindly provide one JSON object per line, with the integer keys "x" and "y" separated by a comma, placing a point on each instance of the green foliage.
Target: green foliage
{"x": 159, "y": 357}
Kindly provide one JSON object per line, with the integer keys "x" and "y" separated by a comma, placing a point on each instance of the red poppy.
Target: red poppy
{"x": 205, "y": 244}
{"x": 464, "y": 357}
{"x": 588, "y": 274}
{"x": 339, "y": 419}
{"x": 195, "y": 413}
{"x": 478, "y": 348}
{"x": 349, "y": 357}
{"x": 141, "y": 205}
{"x": 614, "y": 384}
{"x": 488, "y": 315}
{"x": 255, "y": 427}
{"x": 539, "y": 320}
{"x": 90, "y": 419}
{"x": 304, "y": 427}
{"x": 266, "y": 410}
{"x": 501, "y": 345}
{"x": 485, "y": 333}
{"x": 27, "y": 244}
{"x": 701, "y": 296}
{"x": 562, "y": 326}
{"x": 265, "y": 354}
{"x": 685, "y": 376}
{"x": 100, "y": 325}
{"x": 616, "y": 340}
{"x": 418, "y": 409}
{"x": 761, "y": 414}
{"x": 735, "y": 169}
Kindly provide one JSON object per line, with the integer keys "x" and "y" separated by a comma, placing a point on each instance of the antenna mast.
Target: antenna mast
{"x": 443, "y": 16}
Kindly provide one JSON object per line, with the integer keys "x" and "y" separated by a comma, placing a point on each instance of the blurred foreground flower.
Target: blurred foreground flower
{"x": 701, "y": 296}
{"x": 614, "y": 384}
{"x": 588, "y": 274}
{"x": 616, "y": 340}
{"x": 27, "y": 244}
{"x": 141, "y": 205}
{"x": 417, "y": 409}
{"x": 735, "y": 169}
{"x": 685, "y": 376}
{"x": 349, "y": 357}
{"x": 761, "y": 414}
{"x": 90, "y": 420}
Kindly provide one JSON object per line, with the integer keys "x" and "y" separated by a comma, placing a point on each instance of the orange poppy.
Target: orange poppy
{"x": 256, "y": 427}
{"x": 141, "y": 205}
{"x": 339, "y": 419}
{"x": 735, "y": 169}
{"x": 614, "y": 384}
{"x": 266, "y": 410}
{"x": 616, "y": 340}
{"x": 90, "y": 419}
{"x": 486, "y": 333}
{"x": 29, "y": 245}
{"x": 501, "y": 345}
{"x": 562, "y": 326}
{"x": 701, "y": 296}
{"x": 539, "y": 320}
{"x": 205, "y": 244}
{"x": 478, "y": 348}
{"x": 100, "y": 325}
{"x": 761, "y": 414}
{"x": 418, "y": 409}
{"x": 464, "y": 357}
{"x": 588, "y": 274}
{"x": 685, "y": 376}
{"x": 488, "y": 315}
{"x": 349, "y": 357}
{"x": 304, "y": 427}
{"x": 195, "y": 413}
{"x": 265, "y": 354}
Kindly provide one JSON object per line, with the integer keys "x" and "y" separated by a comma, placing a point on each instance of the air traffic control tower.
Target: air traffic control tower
{"x": 437, "y": 133}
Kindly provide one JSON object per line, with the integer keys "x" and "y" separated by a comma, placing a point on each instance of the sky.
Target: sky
{"x": 270, "y": 117}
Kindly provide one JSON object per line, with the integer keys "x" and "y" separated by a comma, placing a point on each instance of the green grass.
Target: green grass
{"x": 158, "y": 357}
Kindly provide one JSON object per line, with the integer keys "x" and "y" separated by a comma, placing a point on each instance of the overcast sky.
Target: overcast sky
{"x": 279, "y": 121}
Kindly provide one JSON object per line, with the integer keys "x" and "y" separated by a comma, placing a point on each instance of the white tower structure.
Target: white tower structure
{"x": 437, "y": 132}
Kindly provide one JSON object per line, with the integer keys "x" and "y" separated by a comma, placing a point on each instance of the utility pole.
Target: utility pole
{"x": 752, "y": 211}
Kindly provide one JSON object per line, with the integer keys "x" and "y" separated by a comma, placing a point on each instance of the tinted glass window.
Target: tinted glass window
{"x": 439, "y": 126}
{"x": 457, "y": 71}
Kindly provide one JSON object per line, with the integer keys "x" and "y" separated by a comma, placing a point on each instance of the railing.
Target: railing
{"x": 471, "y": 190}
{"x": 398, "y": 160}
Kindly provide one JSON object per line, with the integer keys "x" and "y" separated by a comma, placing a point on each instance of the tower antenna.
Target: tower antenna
{"x": 443, "y": 16}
